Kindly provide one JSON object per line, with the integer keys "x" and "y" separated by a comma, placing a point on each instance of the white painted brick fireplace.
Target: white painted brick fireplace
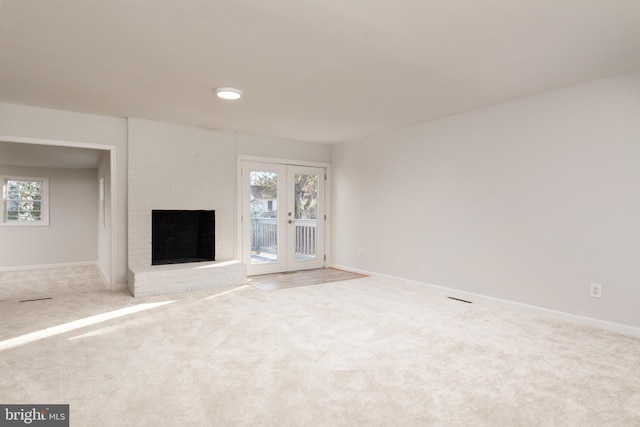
{"x": 180, "y": 167}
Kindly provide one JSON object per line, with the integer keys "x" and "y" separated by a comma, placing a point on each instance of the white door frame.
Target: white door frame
{"x": 290, "y": 162}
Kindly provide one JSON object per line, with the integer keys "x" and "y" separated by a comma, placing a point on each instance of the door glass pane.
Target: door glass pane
{"x": 264, "y": 217}
{"x": 306, "y": 216}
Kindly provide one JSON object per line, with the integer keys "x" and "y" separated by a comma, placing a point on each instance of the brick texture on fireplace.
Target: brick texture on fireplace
{"x": 179, "y": 167}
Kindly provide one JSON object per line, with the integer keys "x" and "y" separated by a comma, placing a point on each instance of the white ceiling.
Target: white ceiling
{"x": 313, "y": 70}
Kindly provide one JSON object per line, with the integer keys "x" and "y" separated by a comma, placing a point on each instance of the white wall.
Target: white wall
{"x": 43, "y": 123}
{"x": 282, "y": 148}
{"x": 50, "y": 124}
{"x": 73, "y": 214}
{"x": 174, "y": 166}
{"x": 528, "y": 201}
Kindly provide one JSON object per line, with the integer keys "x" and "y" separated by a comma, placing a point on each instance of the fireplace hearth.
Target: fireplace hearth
{"x": 182, "y": 236}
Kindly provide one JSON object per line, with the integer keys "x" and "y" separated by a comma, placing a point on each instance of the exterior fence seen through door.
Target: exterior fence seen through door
{"x": 265, "y": 238}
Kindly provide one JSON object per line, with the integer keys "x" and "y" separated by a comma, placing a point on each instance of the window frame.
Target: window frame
{"x": 44, "y": 202}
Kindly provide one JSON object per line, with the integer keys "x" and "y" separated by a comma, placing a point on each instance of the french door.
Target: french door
{"x": 282, "y": 217}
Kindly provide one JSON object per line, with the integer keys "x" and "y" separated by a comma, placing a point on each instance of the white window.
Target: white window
{"x": 25, "y": 201}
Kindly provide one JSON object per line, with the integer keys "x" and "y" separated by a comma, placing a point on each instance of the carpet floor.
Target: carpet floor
{"x": 46, "y": 282}
{"x": 365, "y": 352}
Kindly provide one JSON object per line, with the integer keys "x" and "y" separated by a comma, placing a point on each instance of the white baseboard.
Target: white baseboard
{"x": 503, "y": 303}
{"x": 102, "y": 274}
{"x": 356, "y": 270}
{"x": 43, "y": 266}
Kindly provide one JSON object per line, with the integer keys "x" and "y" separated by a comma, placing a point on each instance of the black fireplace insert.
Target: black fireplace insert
{"x": 180, "y": 236}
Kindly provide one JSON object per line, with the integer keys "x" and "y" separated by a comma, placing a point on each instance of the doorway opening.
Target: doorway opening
{"x": 68, "y": 157}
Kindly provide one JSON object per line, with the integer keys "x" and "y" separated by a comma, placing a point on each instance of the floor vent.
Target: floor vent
{"x": 461, "y": 300}
{"x": 36, "y": 299}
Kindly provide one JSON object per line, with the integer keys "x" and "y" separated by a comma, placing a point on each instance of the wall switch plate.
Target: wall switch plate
{"x": 360, "y": 253}
{"x": 595, "y": 290}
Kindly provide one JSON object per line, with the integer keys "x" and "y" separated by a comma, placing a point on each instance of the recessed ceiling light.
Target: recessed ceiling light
{"x": 228, "y": 93}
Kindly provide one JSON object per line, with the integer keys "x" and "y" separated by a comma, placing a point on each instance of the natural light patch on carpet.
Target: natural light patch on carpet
{"x": 77, "y": 324}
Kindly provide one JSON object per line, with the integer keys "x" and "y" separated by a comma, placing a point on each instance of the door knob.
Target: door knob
{"x": 290, "y": 221}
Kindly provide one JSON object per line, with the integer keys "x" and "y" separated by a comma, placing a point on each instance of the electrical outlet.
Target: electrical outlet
{"x": 595, "y": 290}
{"x": 360, "y": 253}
